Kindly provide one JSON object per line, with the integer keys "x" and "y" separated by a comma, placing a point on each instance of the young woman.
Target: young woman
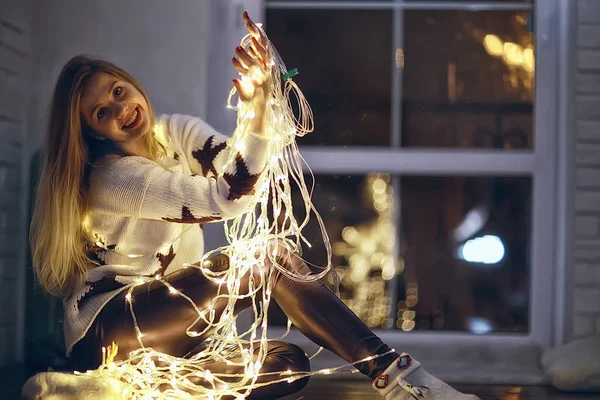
{"x": 118, "y": 203}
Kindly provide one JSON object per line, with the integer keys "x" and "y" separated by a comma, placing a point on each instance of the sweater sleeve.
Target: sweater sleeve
{"x": 205, "y": 149}
{"x": 140, "y": 188}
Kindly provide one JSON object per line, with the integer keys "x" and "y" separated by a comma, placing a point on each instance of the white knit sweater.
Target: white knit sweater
{"x": 147, "y": 216}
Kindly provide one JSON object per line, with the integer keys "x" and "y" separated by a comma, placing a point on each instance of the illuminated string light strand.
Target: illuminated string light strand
{"x": 177, "y": 378}
{"x": 148, "y": 374}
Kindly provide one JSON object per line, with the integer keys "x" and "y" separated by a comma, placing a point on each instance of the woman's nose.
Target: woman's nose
{"x": 122, "y": 110}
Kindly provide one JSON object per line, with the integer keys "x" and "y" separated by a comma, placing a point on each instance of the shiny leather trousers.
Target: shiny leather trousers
{"x": 163, "y": 318}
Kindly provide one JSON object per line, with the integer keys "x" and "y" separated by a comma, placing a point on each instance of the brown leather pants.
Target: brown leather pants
{"x": 163, "y": 318}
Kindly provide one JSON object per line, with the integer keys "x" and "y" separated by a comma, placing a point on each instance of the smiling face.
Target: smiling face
{"x": 114, "y": 109}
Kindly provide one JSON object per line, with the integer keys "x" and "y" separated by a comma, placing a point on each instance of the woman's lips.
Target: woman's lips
{"x": 136, "y": 121}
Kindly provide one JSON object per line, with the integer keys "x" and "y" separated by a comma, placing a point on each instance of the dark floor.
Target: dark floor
{"x": 323, "y": 389}
{"x": 11, "y": 380}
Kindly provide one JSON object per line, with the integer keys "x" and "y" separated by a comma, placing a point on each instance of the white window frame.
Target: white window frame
{"x": 495, "y": 357}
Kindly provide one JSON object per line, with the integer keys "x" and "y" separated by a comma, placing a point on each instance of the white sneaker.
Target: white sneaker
{"x": 65, "y": 386}
{"x": 404, "y": 379}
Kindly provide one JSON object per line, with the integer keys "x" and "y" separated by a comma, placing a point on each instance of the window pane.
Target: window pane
{"x": 344, "y": 60}
{"x": 468, "y": 79}
{"x": 463, "y": 263}
{"x": 465, "y": 247}
{"x": 363, "y": 239}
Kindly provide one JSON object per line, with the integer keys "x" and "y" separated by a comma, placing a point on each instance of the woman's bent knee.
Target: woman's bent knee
{"x": 288, "y": 356}
{"x": 283, "y": 357}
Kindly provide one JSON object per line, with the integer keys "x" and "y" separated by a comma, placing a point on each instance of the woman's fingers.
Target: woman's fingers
{"x": 244, "y": 57}
{"x": 252, "y": 28}
{"x": 251, "y": 63}
{"x": 253, "y": 53}
{"x": 257, "y": 57}
{"x": 242, "y": 93}
{"x": 257, "y": 40}
{"x": 259, "y": 49}
{"x": 238, "y": 66}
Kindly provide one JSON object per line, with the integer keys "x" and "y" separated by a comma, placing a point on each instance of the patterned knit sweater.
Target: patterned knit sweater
{"x": 146, "y": 217}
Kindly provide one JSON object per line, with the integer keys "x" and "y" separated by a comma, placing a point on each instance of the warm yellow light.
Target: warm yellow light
{"x": 240, "y": 147}
{"x": 408, "y": 315}
{"x": 513, "y": 53}
{"x": 349, "y": 234}
{"x": 379, "y": 186}
{"x": 388, "y": 273}
{"x": 86, "y": 223}
{"x": 159, "y": 132}
{"x": 208, "y": 375}
{"x": 408, "y": 326}
{"x": 493, "y": 45}
{"x": 528, "y": 60}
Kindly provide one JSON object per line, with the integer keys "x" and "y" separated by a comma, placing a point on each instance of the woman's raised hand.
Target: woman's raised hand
{"x": 252, "y": 64}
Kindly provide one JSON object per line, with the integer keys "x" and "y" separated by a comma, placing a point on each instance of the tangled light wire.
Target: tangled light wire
{"x": 148, "y": 374}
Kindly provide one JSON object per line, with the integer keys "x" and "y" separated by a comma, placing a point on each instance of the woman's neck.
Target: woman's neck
{"x": 135, "y": 148}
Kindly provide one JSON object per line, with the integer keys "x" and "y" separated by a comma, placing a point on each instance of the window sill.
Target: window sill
{"x": 451, "y": 357}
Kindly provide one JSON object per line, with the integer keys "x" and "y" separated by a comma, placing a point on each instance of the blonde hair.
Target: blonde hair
{"x": 59, "y": 241}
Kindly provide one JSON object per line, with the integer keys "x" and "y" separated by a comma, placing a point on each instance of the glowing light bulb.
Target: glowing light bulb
{"x": 513, "y": 53}
{"x": 493, "y": 45}
{"x": 241, "y": 147}
{"x": 208, "y": 375}
{"x": 487, "y": 249}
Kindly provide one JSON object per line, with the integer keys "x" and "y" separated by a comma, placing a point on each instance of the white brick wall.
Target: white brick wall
{"x": 586, "y": 253}
{"x": 14, "y": 93}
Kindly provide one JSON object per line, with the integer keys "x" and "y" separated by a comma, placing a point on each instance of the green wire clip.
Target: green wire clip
{"x": 290, "y": 74}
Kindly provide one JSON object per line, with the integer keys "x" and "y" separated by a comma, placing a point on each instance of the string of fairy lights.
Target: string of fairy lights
{"x": 148, "y": 374}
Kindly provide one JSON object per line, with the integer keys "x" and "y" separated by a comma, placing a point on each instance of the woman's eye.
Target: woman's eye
{"x": 101, "y": 113}
{"x": 117, "y": 92}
